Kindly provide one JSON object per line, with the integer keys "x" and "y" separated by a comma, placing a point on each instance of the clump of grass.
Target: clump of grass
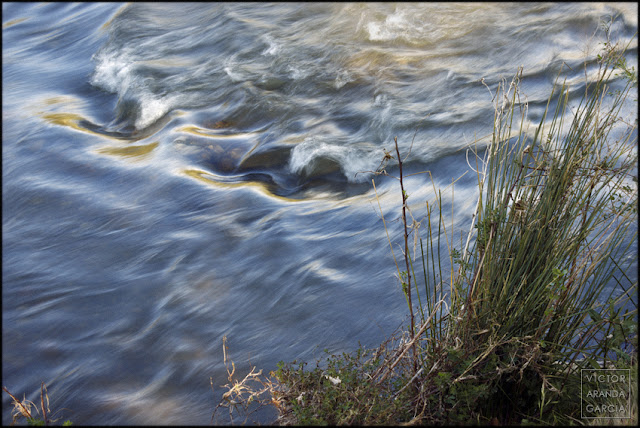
{"x": 539, "y": 291}
{"x": 29, "y": 410}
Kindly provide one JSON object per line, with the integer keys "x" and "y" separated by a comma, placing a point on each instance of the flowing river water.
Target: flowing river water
{"x": 176, "y": 173}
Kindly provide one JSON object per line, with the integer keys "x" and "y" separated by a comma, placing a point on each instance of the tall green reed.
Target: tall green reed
{"x": 546, "y": 230}
{"x": 541, "y": 282}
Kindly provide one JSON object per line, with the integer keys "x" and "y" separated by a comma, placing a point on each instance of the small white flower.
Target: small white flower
{"x": 610, "y": 336}
{"x": 334, "y": 380}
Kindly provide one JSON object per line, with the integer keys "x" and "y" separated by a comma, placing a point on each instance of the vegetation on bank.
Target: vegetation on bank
{"x": 537, "y": 296}
{"x": 29, "y": 410}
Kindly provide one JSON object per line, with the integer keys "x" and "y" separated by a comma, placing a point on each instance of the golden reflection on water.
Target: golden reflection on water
{"x": 65, "y": 119}
{"x": 13, "y": 22}
{"x": 80, "y": 123}
{"x": 71, "y": 120}
{"x": 107, "y": 24}
{"x": 229, "y": 157}
{"x": 196, "y": 130}
{"x": 62, "y": 99}
{"x": 211, "y": 179}
{"x": 74, "y": 121}
{"x": 130, "y": 151}
{"x": 316, "y": 195}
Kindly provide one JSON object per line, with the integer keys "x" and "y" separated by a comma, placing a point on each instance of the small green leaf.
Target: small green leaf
{"x": 594, "y": 315}
{"x": 629, "y": 326}
{"x": 612, "y": 310}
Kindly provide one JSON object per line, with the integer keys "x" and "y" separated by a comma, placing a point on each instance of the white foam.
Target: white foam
{"x": 406, "y": 25}
{"x": 380, "y": 100}
{"x": 297, "y": 73}
{"x": 235, "y": 76}
{"x": 116, "y": 72}
{"x": 152, "y": 109}
{"x": 352, "y": 160}
{"x": 113, "y": 72}
{"x": 393, "y": 27}
{"x": 273, "y": 46}
{"x": 342, "y": 79}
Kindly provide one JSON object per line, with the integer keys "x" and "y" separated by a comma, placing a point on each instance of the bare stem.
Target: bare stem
{"x": 406, "y": 249}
